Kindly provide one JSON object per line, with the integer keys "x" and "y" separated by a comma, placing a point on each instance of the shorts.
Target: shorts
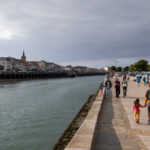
{"x": 148, "y": 106}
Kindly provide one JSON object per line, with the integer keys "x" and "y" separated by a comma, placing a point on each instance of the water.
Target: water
{"x": 34, "y": 114}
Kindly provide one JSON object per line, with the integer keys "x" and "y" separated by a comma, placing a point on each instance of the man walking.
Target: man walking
{"x": 108, "y": 85}
{"x": 124, "y": 86}
{"x": 147, "y": 103}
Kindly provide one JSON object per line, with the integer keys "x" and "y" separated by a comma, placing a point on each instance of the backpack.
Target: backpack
{"x": 117, "y": 84}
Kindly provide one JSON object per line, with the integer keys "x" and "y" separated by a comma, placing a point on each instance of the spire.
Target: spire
{"x": 23, "y": 54}
{"x": 23, "y": 58}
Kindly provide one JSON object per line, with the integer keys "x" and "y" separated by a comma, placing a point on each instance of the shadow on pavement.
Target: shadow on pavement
{"x": 105, "y": 137}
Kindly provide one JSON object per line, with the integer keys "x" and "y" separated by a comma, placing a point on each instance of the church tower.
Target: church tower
{"x": 23, "y": 58}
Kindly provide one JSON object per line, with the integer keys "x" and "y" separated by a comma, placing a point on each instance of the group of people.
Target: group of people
{"x": 142, "y": 78}
{"x": 136, "y": 104}
{"x": 117, "y": 84}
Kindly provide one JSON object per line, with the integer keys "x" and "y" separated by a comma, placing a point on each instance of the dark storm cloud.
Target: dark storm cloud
{"x": 76, "y": 30}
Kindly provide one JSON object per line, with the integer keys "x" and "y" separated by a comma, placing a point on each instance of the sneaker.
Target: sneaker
{"x": 137, "y": 121}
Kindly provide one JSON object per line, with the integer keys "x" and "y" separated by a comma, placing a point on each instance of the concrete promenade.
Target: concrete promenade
{"x": 110, "y": 124}
{"x": 116, "y": 128}
{"x": 112, "y": 128}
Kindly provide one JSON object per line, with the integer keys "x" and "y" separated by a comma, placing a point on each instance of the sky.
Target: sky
{"x": 94, "y": 33}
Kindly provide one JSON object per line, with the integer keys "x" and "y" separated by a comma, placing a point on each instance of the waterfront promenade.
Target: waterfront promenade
{"x": 116, "y": 128}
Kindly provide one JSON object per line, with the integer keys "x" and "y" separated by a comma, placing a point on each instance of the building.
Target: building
{"x": 6, "y": 63}
{"x": 23, "y": 58}
{"x": 12, "y": 64}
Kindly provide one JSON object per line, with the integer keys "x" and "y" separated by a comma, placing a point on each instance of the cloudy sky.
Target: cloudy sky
{"x": 79, "y": 32}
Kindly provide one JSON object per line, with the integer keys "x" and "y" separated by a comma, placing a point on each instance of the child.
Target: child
{"x": 101, "y": 88}
{"x": 136, "y": 109}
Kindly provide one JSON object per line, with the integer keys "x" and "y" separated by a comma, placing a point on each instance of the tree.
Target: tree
{"x": 126, "y": 68}
{"x": 149, "y": 67}
{"x": 132, "y": 68}
{"x": 141, "y": 65}
{"x": 113, "y": 68}
{"x": 119, "y": 69}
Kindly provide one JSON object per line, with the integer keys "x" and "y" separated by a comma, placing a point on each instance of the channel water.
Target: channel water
{"x": 34, "y": 113}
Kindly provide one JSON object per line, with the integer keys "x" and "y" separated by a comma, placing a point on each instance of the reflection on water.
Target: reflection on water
{"x": 34, "y": 113}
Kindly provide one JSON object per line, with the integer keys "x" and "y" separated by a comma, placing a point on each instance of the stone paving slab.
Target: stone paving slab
{"x": 145, "y": 140}
{"x": 81, "y": 141}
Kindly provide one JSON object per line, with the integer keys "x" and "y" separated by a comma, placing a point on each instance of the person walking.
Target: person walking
{"x": 117, "y": 87}
{"x": 108, "y": 85}
{"x": 144, "y": 80}
{"x": 138, "y": 79}
{"x": 136, "y": 109}
{"x": 147, "y": 79}
{"x": 128, "y": 77}
{"x": 147, "y": 103}
{"x": 124, "y": 86}
{"x": 101, "y": 88}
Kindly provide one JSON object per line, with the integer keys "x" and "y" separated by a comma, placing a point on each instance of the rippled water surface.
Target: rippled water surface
{"x": 33, "y": 114}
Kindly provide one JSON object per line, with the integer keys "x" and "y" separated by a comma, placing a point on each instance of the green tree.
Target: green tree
{"x": 119, "y": 69}
{"x": 141, "y": 65}
{"x": 126, "y": 68}
{"x": 132, "y": 68}
{"x": 149, "y": 67}
{"x": 113, "y": 68}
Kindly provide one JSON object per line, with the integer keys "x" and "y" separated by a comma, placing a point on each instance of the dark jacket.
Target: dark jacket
{"x": 108, "y": 84}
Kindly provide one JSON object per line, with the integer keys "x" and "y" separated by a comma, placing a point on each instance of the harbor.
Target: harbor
{"x": 74, "y": 75}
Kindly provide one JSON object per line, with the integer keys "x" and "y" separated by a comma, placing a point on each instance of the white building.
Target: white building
{"x": 6, "y": 63}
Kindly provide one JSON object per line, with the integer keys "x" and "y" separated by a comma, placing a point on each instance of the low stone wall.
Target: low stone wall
{"x": 83, "y": 138}
{"x": 75, "y": 124}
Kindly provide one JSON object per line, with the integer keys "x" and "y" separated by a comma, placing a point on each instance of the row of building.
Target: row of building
{"x": 10, "y": 64}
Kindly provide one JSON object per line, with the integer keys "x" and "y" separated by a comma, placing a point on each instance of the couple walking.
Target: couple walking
{"x": 124, "y": 87}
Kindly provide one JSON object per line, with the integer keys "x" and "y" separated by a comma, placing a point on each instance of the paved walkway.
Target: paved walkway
{"x": 142, "y": 130}
{"x": 112, "y": 128}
